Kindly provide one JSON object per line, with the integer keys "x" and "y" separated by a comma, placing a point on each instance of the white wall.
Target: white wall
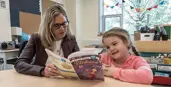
{"x": 90, "y": 19}
{"x": 5, "y": 25}
{"x": 70, "y": 6}
{"x": 83, "y": 15}
{"x": 58, "y": 1}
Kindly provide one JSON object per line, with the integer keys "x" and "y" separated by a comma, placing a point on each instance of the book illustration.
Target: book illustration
{"x": 88, "y": 67}
{"x": 79, "y": 65}
{"x": 63, "y": 65}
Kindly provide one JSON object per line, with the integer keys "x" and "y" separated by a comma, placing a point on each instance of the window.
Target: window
{"x": 133, "y": 14}
{"x": 110, "y": 16}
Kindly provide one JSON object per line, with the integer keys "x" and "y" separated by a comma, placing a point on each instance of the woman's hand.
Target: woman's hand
{"x": 50, "y": 70}
{"x": 108, "y": 70}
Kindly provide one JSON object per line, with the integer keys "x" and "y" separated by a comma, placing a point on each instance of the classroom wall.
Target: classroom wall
{"x": 27, "y": 6}
{"x": 25, "y": 14}
{"x": 70, "y": 6}
{"x": 29, "y": 22}
{"x": 84, "y": 17}
{"x": 5, "y": 25}
{"x": 58, "y": 1}
{"x": 90, "y": 22}
{"x": 90, "y": 19}
{"x": 46, "y": 4}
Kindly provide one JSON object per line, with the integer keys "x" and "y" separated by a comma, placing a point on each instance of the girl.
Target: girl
{"x": 119, "y": 63}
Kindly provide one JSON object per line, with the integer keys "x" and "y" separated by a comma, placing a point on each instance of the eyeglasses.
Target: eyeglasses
{"x": 58, "y": 26}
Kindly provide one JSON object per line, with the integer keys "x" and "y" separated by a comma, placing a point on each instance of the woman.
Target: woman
{"x": 54, "y": 34}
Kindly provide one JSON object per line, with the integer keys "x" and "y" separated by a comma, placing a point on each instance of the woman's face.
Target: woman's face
{"x": 59, "y": 28}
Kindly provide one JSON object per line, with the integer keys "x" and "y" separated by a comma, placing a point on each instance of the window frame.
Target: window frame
{"x": 109, "y": 16}
{"x": 102, "y": 17}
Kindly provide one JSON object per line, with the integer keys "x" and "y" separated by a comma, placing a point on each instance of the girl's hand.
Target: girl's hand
{"x": 50, "y": 71}
{"x": 108, "y": 70}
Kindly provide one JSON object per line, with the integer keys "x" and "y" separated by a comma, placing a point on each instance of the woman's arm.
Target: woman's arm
{"x": 23, "y": 63}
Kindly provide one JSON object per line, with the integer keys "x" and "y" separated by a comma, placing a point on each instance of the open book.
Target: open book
{"x": 84, "y": 65}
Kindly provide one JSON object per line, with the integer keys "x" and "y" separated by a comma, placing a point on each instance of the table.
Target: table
{"x": 10, "y": 78}
{"x": 8, "y": 54}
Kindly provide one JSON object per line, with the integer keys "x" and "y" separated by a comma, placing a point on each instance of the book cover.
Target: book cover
{"x": 79, "y": 65}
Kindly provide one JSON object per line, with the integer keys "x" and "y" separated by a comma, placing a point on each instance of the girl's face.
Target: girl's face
{"x": 59, "y": 28}
{"x": 116, "y": 47}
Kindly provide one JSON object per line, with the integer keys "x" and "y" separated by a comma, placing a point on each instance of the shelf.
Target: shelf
{"x": 153, "y": 46}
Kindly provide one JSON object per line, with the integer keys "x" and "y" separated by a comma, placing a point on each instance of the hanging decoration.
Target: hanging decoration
{"x": 149, "y": 9}
{"x": 162, "y": 3}
{"x": 123, "y": 1}
{"x": 155, "y": 6}
{"x": 117, "y": 4}
{"x": 143, "y": 10}
{"x": 131, "y": 7}
{"x": 111, "y": 6}
{"x": 107, "y": 6}
{"x": 136, "y": 9}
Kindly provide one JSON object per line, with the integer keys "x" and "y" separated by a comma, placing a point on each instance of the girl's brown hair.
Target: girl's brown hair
{"x": 122, "y": 34}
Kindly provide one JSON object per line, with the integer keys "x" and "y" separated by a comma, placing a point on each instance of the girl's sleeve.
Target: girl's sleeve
{"x": 104, "y": 58}
{"x": 142, "y": 74}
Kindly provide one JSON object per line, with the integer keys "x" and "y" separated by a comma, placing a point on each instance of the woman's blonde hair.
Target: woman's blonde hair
{"x": 122, "y": 34}
{"x": 47, "y": 21}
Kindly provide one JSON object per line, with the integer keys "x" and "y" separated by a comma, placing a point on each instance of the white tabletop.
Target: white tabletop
{"x": 2, "y": 51}
{"x": 10, "y": 78}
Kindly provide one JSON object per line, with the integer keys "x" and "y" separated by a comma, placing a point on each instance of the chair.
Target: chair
{"x": 23, "y": 44}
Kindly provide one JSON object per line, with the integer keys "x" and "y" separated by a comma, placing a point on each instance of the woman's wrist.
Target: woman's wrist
{"x": 42, "y": 72}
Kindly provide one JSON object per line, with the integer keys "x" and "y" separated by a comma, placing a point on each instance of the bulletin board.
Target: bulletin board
{"x": 29, "y": 22}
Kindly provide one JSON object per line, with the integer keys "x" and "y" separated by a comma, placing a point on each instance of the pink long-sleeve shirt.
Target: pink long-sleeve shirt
{"x": 135, "y": 69}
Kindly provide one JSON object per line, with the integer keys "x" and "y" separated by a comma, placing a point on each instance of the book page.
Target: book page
{"x": 62, "y": 64}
